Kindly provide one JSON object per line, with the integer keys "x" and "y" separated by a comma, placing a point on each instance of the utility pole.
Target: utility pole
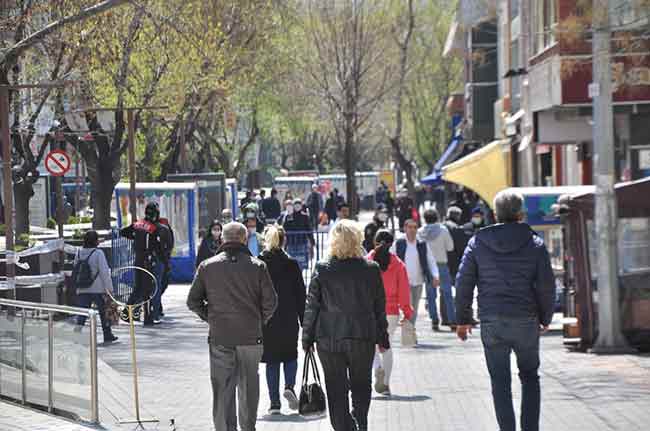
{"x": 131, "y": 151}
{"x": 610, "y": 338}
{"x": 130, "y": 124}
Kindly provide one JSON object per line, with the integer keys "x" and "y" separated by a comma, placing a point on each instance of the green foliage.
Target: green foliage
{"x": 51, "y": 223}
{"x": 24, "y": 242}
{"x": 78, "y": 220}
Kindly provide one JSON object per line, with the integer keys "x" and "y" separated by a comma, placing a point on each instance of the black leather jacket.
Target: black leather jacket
{"x": 346, "y": 303}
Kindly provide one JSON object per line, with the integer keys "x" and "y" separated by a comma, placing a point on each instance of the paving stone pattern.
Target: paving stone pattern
{"x": 441, "y": 385}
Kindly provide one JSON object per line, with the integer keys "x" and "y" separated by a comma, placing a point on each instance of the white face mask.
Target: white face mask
{"x": 250, "y": 215}
{"x": 298, "y": 208}
{"x": 289, "y": 209}
{"x": 382, "y": 217}
{"x": 477, "y": 220}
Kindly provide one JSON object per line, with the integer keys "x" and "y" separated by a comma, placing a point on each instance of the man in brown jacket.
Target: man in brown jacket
{"x": 233, "y": 292}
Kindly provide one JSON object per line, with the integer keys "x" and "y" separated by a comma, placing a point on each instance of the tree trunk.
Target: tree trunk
{"x": 103, "y": 187}
{"x": 22, "y": 194}
{"x": 350, "y": 189}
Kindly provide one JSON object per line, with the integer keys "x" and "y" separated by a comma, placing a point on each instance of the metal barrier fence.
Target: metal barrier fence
{"x": 122, "y": 255}
{"x": 307, "y": 248}
{"x": 46, "y": 361}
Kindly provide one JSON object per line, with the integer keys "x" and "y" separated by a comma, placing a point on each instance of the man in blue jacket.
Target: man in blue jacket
{"x": 511, "y": 267}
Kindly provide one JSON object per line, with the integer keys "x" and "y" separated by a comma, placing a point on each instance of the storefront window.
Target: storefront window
{"x": 633, "y": 246}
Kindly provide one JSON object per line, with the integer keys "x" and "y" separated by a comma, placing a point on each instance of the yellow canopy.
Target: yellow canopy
{"x": 486, "y": 171}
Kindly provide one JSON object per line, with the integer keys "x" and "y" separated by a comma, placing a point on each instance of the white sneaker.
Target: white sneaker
{"x": 291, "y": 397}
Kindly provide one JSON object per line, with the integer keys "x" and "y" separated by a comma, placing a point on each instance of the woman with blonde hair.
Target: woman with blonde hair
{"x": 346, "y": 318}
{"x": 281, "y": 333}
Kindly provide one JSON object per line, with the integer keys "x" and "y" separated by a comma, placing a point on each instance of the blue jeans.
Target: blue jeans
{"x": 273, "y": 378}
{"x": 445, "y": 289}
{"x": 500, "y": 337}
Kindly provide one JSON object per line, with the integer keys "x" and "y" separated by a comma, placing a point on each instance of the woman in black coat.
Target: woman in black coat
{"x": 211, "y": 242}
{"x": 281, "y": 333}
{"x": 345, "y": 316}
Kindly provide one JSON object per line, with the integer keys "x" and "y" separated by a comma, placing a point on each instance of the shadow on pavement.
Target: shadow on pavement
{"x": 428, "y": 347}
{"x": 403, "y": 398}
{"x": 294, "y": 417}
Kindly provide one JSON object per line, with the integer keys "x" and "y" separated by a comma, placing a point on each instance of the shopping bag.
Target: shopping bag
{"x": 312, "y": 398}
{"x": 409, "y": 337}
{"x": 111, "y": 313}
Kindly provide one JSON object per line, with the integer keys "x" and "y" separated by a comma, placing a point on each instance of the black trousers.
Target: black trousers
{"x": 348, "y": 371}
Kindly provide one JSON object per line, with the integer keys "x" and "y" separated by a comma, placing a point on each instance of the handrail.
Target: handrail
{"x": 88, "y": 312}
{"x": 92, "y": 315}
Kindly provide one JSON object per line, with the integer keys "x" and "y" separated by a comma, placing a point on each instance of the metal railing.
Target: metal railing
{"x": 25, "y": 367}
{"x": 307, "y": 247}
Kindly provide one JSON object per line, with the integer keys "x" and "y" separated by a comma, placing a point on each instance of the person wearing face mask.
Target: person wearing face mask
{"x": 477, "y": 221}
{"x": 300, "y": 240}
{"x": 251, "y": 211}
{"x": 378, "y": 222}
{"x": 255, "y": 240}
{"x": 150, "y": 254}
{"x": 210, "y": 243}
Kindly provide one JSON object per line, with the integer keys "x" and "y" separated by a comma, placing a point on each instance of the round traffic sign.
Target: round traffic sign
{"x": 57, "y": 163}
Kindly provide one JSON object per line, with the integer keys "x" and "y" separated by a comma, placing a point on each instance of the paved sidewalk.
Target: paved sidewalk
{"x": 17, "y": 418}
{"x": 442, "y": 385}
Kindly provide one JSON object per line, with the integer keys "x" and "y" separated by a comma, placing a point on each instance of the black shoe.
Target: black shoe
{"x": 435, "y": 327}
{"x": 148, "y": 323}
{"x": 275, "y": 410}
{"x": 110, "y": 339}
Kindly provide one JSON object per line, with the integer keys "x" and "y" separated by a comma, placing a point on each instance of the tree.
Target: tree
{"x": 432, "y": 80}
{"x": 33, "y": 54}
{"x": 344, "y": 62}
{"x": 402, "y": 34}
{"x": 126, "y": 65}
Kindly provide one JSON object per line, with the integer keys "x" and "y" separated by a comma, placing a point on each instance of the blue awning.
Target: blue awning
{"x": 435, "y": 177}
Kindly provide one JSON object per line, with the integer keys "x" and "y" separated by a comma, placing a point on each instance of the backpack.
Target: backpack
{"x": 82, "y": 276}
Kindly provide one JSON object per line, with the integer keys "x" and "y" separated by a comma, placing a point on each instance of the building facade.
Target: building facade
{"x": 527, "y": 70}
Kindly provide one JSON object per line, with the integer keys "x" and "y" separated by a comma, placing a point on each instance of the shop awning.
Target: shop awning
{"x": 486, "y": 171}
{"x": 435, "y": 177}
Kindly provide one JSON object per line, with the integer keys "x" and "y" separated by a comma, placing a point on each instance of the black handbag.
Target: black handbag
{"x": 312, "y": 398}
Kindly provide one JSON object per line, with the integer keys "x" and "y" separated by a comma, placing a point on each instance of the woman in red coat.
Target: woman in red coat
{"x": 398, "y": 297}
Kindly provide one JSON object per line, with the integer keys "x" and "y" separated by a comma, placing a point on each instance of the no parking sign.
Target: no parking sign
{"x": 57, "y": 163}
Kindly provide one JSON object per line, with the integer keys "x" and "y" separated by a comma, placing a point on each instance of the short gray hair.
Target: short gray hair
{"x": 508, "y": 206}
{"x": 234, "y": 232}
